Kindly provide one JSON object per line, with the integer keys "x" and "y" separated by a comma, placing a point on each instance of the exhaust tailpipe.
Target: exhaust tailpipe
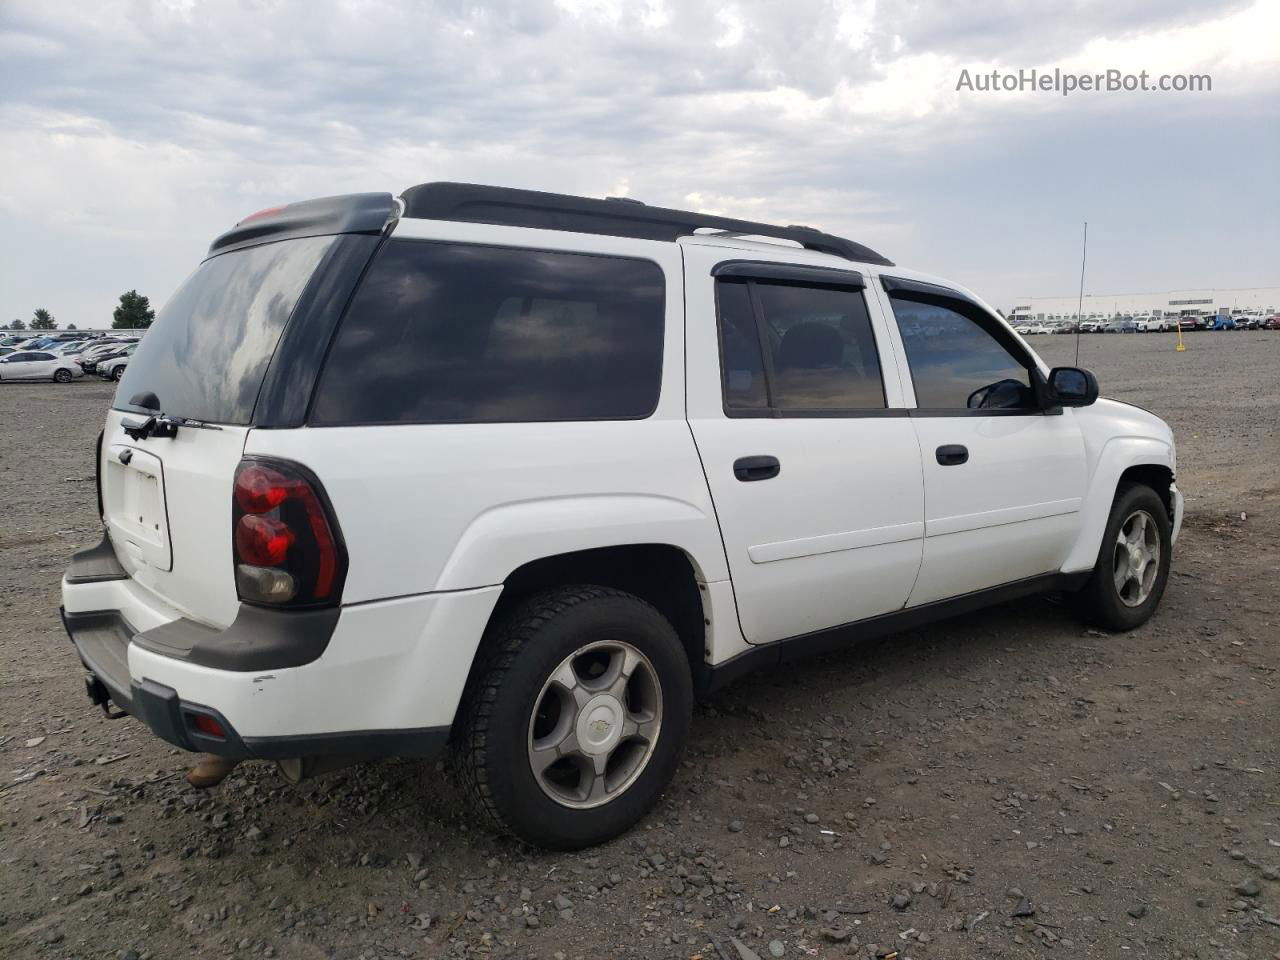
{"x": 297, "y": 769}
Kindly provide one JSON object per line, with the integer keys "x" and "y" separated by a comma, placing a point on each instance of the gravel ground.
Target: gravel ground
{"x": 1006, "y": 784}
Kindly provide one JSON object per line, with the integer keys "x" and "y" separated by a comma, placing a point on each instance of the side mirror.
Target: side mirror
{"x": 1072, "y": 386}
{"x": 1001, "y": 395}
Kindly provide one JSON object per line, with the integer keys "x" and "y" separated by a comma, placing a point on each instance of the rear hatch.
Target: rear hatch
{"x": 167, "y": 499}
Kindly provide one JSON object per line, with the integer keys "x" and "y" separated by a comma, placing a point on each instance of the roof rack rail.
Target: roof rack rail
{"x": 614, "y": 216}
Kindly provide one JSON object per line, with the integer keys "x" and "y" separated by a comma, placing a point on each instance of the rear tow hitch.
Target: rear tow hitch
{"x": 99, "y": 697}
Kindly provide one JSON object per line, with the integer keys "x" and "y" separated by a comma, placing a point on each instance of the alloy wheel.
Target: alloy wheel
{"x": 595, "y": 724}
{"x": 1136, "y": 560}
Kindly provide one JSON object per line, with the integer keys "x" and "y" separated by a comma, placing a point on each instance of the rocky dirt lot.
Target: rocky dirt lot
{"x": 1004, "y": 785}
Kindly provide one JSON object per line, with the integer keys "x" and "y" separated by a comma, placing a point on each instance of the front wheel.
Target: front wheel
{"x": 1129, "y": 577}
{"x": 574, "y": 726}
{"x": 117, "y": 373}
{"x": 62, "y": 376}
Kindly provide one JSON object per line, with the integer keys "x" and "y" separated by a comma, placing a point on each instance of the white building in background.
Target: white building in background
{"x": 1205, "y": 302}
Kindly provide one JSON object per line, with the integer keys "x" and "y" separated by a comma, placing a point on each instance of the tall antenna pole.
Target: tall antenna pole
{"x": 1084, "y": 252}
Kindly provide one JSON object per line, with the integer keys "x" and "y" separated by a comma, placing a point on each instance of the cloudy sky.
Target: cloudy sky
{"x": 133, "y": 131}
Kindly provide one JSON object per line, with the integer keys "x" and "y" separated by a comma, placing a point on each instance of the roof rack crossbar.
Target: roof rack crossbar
{"x": 474, "y": 203}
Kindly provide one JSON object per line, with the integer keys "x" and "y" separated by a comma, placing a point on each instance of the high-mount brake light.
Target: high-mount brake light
{"x": 287, "y": 547}
{"x": 259, "y": 214}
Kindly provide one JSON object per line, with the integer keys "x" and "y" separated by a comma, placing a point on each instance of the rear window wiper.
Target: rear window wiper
{"x": 160, "y": 425}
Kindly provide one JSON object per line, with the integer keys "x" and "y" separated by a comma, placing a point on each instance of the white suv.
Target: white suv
{"x": 521, "y": 474}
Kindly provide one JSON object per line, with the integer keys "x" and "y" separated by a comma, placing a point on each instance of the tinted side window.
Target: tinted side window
{"x": 955, "y": 364}
{"x": 454, "y": 333}
{"x": 821, "y": 349}
{"x": 741, "y": 363}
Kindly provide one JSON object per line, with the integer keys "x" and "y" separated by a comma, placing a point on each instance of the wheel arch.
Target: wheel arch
{"x": 661, "y": 574}
{"x": 1143, "y": 460}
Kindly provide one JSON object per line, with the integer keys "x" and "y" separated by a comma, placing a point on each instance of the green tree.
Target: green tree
{"x": 42, "y": 319}
{"x": 17, "y": 325}
{"x": 71, "y": 326}
{"x": 134, "y": 312}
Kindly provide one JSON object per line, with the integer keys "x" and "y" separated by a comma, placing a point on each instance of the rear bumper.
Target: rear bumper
{"x": 102, "y": 641}
{"x": 377, "y": 679}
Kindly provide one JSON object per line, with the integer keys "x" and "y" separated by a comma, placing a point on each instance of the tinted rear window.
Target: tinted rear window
{"x": 452, "y": 333}
{"x": 207, "y": 352}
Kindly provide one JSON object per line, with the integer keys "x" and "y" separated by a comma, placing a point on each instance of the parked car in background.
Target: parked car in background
{"x": 1163, "y": 325}
{"x": 1144, "y": 324}
{"x": 5, "y": 351}
{"x": 1223, "y": 322}
{"x": 102, "y": 350}
{"x": 1032, "y": 328}
{"x": 112, "y": 367}
{"x": 1067, "y": 326}
{"x": 1192, "y": 323}
{"x": 1092, "y": 326}
{"x": 38, "y": 365}
{"x": 1272, "y": 322}
{"x": 41, "y": 342}
{"x": 1120, "y": 326}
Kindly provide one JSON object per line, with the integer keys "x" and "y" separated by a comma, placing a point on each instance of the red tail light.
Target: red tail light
{"x": 288, "y": 550}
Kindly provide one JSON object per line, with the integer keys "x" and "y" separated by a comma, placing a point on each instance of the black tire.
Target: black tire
{"x": 1098, "y": 602}
{"x": 492, "y": 743}
{"x": 118, "y": 372}
{"x": 62, "y": 375}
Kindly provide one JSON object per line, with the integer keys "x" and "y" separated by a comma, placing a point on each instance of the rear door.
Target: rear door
{"x": 167, "y": 500}
{"x": 796, "y": 408}
{"x": 44, "y": 365}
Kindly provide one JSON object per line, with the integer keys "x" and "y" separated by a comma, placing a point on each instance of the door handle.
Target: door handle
{"x": 748, "y": 469}
{"x": 953, "y": 454}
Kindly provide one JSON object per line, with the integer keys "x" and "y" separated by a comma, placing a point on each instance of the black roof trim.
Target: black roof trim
{"x": 789, "y": 272}
{"x": 350, "y": 213}
{"x": 615, "y": 217}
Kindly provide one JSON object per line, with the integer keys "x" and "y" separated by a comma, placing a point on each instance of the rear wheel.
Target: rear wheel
{"x": 574, "y": 726}
{"x": 1129, "y": 577}
{"x": 62, "y": 375}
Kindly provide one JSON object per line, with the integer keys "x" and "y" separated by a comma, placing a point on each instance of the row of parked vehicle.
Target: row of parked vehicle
{"x": 64, "y": 356}
{"x": 1251, "y": 321}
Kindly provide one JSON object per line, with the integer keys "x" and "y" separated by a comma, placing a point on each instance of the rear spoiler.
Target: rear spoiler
{"x": 351, "y": 213}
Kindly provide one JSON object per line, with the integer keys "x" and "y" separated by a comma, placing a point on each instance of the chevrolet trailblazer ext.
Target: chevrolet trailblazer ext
{"x": 519, "y": 473}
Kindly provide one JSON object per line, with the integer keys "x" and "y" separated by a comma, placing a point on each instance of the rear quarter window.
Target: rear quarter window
{"x": 461, "y": 333}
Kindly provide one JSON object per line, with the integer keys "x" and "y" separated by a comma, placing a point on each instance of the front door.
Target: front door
{"x": 814, "y": 469}
{"x": 1004, "y": 477}
{"x": 26, "y": 366}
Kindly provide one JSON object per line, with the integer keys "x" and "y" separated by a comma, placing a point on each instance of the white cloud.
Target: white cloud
{"x": 145, "y": 128}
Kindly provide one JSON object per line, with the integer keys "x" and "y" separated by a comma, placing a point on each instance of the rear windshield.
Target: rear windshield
{"x": 454, "y": 333}
{"x": 205, "y": 356}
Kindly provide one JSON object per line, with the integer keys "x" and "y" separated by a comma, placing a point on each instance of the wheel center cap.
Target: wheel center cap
{"x": 599, "y": 726}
